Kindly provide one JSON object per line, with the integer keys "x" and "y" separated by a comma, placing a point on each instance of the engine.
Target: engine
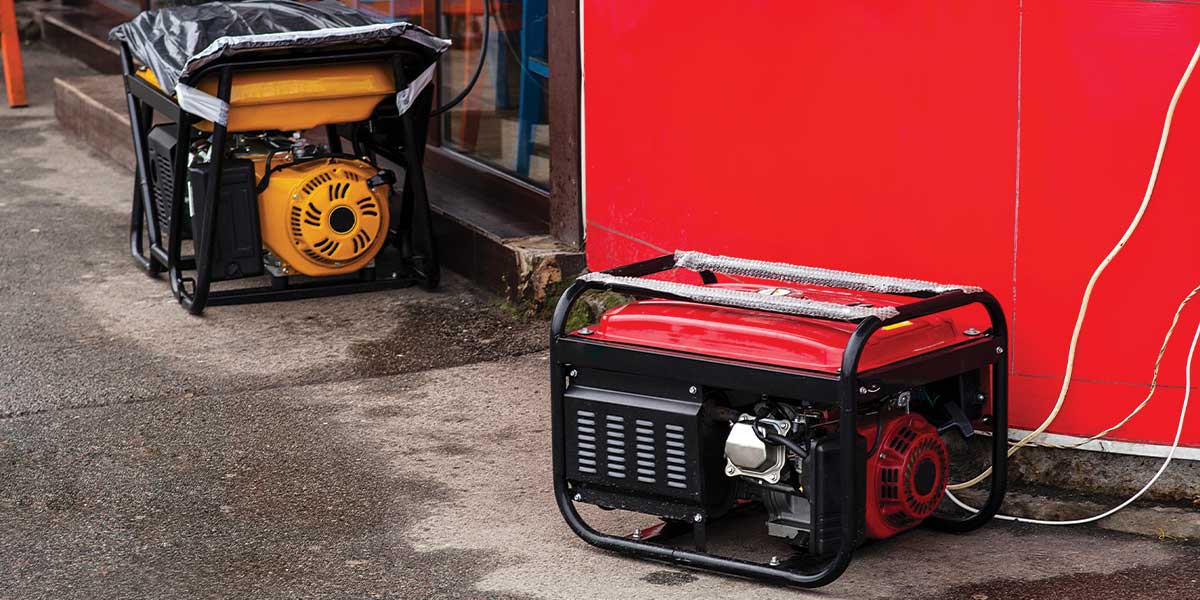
{"x": 287, "y": 206}
{"x": 634, "y": 451}
{"x": 906, "y": 470}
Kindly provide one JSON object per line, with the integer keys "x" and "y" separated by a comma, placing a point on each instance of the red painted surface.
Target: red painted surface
{"x": 10, "y": 55}
{"x": 1004, "y": 144}
{"x": 780, "y": 340}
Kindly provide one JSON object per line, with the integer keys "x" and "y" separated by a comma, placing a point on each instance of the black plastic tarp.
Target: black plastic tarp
{"x": 175, "y": 42}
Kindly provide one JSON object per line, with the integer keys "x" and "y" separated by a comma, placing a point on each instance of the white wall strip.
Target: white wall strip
{"x": 1109, "y": 446}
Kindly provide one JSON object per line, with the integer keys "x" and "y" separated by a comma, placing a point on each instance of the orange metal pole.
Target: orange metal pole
{"x": 10, "y": 55}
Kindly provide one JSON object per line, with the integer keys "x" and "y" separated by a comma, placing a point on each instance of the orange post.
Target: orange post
{"x": 10, "y": 55}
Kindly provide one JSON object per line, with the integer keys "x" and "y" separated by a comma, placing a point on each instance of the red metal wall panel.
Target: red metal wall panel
{"x": 1096, "y": 81}
{"x": 883, "y": 137}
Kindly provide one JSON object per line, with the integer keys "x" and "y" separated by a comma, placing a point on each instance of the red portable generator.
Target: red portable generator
{"x": 820, "y": 396}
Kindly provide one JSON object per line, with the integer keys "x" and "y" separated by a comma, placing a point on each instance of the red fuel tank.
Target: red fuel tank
{"x": 777, "y": 339}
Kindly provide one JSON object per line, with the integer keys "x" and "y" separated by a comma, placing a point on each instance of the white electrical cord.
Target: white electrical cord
{"x": 1087, "y": 292}
{"x": 1153, "y": 384}
{"x": 1187, "y": 392}
{"x": 1149, "y": 395}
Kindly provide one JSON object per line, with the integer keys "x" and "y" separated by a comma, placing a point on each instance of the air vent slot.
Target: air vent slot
{"x": 614, "y": 445}
{"x": 316, "y": 182}
{"x": 367, "y": 206}
{"x": 646, "y": 461}
{"x": 585, "y": 426}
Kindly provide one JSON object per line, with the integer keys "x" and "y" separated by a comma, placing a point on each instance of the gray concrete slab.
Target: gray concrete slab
{"x": 391, "y": 445}
{"x": 416, "y": 486}
{"x": 499, "y": 481}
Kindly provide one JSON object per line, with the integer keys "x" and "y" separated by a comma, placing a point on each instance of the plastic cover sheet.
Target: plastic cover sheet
{"x": 177, "y": 41}
{"x": 698, "y": 261}
{"x": 736, "y": 298}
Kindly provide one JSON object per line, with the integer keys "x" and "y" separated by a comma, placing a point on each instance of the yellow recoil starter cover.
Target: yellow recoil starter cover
{"x": 320, "y": 217}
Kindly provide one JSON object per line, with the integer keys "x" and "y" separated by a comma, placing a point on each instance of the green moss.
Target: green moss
{"x": 592, "y": 305}
{"x": 531, "y": 309}
{"x": 586, "y": 311}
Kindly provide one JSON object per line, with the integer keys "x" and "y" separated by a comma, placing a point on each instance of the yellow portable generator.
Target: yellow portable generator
{"x": 240, "y": 115}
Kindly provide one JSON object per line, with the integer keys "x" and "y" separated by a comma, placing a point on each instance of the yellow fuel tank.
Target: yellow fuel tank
{"x": 299, "y": 98}
{"x": 319, "y": 217}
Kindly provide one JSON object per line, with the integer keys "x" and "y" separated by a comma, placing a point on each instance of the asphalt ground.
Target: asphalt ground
{"x": 388, "y": 445}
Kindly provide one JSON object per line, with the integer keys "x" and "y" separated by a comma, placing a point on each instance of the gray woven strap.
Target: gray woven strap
{"x": 789, "y": 305}
{"x": 698, "y": 261}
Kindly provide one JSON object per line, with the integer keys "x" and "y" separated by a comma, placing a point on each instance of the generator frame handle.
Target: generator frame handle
{"x": 414, "y": 239}
{"x": 847, "y": 386}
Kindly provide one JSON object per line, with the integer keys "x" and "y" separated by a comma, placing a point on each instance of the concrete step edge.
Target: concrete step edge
{"x": 1165, "y": 522}
{"x": 78, "y": 44}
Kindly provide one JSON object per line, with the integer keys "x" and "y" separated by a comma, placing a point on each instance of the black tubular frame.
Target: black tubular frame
{"x": 412, "y": 234}
{"x": 569, "y": 351}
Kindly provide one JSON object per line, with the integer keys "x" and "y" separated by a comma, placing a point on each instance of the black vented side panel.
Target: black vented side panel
{"x": 164, "y": 184}
{"x": 162, "y": 175}
{"x": 634, "y": 443}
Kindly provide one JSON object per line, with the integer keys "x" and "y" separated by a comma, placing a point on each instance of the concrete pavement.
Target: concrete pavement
{"x": 391, "y": 445}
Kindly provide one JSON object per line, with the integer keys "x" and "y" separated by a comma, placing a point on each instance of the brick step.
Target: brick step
{"x": 81, "y": 32}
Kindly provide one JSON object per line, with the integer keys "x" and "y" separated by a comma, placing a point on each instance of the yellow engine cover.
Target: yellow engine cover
{"x": 320, "y": 218}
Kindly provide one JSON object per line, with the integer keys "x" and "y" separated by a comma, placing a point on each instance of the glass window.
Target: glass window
{"x": 393, "y": 10}
{"x": 503, "y": 122}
